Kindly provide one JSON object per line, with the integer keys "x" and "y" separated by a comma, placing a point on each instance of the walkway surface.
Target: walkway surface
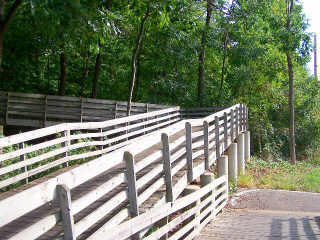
{"x": 267, "y": 214}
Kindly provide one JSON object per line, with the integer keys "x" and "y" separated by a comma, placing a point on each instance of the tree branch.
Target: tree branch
{"x": 11, "y": 12}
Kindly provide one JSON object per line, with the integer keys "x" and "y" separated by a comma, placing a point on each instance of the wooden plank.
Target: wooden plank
{"x": 189, "y": 150}
{"x": 171, "y": 225}
{"x": 206, "y": 144}
{"x": 36, "y": 230}
{"x": 167, "y": 166}
{"x": 237, "y": 122}
{"x": 232, "y": 126}
{"x": 99, "y": 213}
{"x": 92, "y": 196}
{"x": 132, "y": 189}
{"x": 225, "y": 130}
{"x": 22, "y": 159}
{"x": 217, "y": 140}
{"x": 182, "y": 231}
{"x": 178, "y": 154}
{"x": 31, "y": 135}
{"x": 66, "y": 212}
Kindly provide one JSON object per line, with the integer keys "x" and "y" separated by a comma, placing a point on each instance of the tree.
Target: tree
{"x": 135, "y": 55}
{"x": 203, "y": 52}
{"x": 5, "y": 20}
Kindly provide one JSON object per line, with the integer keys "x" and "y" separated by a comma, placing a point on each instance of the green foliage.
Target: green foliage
{"x": 251, "y": 36}
{"x": 279, "y": 174}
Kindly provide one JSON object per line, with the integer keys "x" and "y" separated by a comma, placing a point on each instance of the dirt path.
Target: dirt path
{"x": 267, "y": 214}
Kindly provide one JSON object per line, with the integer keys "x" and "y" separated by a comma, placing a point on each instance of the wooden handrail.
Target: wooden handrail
{"x": 44, "y": 193}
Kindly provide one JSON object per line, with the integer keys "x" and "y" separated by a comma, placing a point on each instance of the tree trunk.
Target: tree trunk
{"x": 223, "y": 69}
{"x": 1, "y": 48}
{"x": 135, "y": 54}
{"x": 85, "y": 72}
{"x": 135, "y": 94}
{"x": 203, "y": 52}
{"x": 290, "y": 5}
{"x": 63, "y": 72}
{"x": 96, "y": 74}
{"x": 291, "y": 106}
{"x": 4, "y": 22}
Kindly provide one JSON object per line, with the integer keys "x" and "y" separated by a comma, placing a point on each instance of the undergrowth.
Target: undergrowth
{"x": 279, "y": 174}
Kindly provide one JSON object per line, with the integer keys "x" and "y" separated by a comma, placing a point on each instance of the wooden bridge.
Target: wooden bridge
{"x": 122, "y": 178}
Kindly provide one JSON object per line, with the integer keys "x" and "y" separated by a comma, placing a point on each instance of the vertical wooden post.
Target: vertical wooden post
{"x": 225, "y": 130}
{"x": 1, "y": 135}
{"x": 240, "y": 118}
{"x": 189, "y": 151}
{"x": 247, "y": 146}
{"x": 64, "y": 197}
{"x": 81, "y": 109}
{"x": 101, "y": 138}
{"x": 167, "y": 166}
{"x": 206, "y": 144}
{"x": 217, "y": 132}
{"x": 7, "y": 109}
{"x": 232, "y": 125}
{"x": 45, "y": 110}
{"x": 66, "y": 133}
{"x": 132, "y": 188}
{"x": 167, "y": 176}
{"x": 237, "y": 122}
{"x": 22, "y": 158}
{"x": 147, "y": 119}
{"x": 244, "y": 118}
{"x": 241, "y": 163}
{"x": 115, "y": 110}
{"x": 247, "y": 118}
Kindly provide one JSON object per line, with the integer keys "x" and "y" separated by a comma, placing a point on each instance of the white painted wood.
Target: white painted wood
{"x": 247, "y": 146}
{"x": 232, "y": 126}
{"x": 225, "y": 130}
{"x": 132, "y": 189}
{"x": 217, "y": 134}
{"x": 237, "y": 121}
{"x": 189, "y": 150}
{"x": 206, "y": 144}
{"x": 167, "y": 166}
{"x": 90, "y": 197}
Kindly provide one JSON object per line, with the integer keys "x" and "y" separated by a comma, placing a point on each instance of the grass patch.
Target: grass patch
{"x": 304, "y": 176}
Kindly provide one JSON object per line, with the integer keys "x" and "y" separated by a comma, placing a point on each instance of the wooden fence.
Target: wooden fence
{"x": 198, "y": 208}
{"x": 47, "y": 149}
{"x": 37, "y": 110}
{"x": 188, "y": 149}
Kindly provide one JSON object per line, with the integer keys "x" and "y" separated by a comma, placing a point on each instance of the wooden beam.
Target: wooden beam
{"x": 189, "y": 151}
{"x": 132, "y": 189}
{"x": 167, "y": 166}
{"x": 66, "y": 212}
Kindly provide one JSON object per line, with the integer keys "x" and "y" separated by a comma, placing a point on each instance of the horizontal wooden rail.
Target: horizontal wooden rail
{"x": 127, "y": 229}
{"x": 38, "y": 110}
{"x": 74, "y": 141}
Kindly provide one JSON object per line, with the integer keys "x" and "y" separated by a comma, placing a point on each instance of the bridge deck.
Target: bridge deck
{"x": 157, "y": 198}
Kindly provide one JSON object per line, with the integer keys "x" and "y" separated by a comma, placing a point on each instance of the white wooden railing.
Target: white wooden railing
{"x": 182, "y": 145}
{"x": 28, "y": 154}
